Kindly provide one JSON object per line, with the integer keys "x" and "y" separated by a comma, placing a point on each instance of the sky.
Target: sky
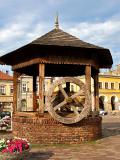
{"x": 93, "y": 21}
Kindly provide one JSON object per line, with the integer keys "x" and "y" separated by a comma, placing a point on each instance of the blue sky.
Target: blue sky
{"x": 94, "y": 21}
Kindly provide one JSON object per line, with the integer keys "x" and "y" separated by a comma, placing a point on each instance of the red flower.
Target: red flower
{"x": 16, "y": 145}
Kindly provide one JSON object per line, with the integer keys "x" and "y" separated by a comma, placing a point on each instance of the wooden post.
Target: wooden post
{"x": 15, "y": 79}
{"x": 88, "y": 81}
{"x": 34, "y": 93}
{"x": 96, "y": 92}
{"x": 88, "y": 77}
{"x": 41, "y": 87}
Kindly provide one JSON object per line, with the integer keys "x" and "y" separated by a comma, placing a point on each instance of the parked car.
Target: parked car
{"x": 5, "y": 113}
{"x": 5, "y": 120}
{"x": 102, "y": 112}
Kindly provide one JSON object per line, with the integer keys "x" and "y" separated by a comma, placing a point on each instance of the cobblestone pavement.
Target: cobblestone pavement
{"x": 107, "y": 148}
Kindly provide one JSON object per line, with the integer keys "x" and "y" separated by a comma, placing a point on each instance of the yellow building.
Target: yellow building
{"x": 6, "y": 91}
{"x": 109, "y": 91}
{"x": 25, "y": 95}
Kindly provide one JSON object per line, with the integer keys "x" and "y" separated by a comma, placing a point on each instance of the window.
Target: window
{"x": 100, "y": 85}
{"x": 11, "y": 89}
{"x": 106, "y": 85}
{"x": 112, "y": 85}
{"x": 72, "y": 88}
{"x": 24, "y": 87}
{"x": 2, "y": 90}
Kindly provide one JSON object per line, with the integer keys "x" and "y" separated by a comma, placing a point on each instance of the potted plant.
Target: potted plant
{"x": 14, "y": 149}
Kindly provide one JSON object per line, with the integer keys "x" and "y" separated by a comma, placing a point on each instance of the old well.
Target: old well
{"x": 62, "y": 116}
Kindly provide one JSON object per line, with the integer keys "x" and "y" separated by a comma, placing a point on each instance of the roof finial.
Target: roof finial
{"x": 56, "y": 22}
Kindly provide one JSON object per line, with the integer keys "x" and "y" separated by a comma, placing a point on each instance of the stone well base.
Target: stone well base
{"x": 46, "y": 130}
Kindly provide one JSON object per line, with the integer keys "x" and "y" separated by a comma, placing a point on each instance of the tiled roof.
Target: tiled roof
{"x": 5, "y": 76}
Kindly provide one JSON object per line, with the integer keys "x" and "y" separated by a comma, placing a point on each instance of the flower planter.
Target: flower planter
{"x": 15, "y": 156}
{"x": 14, "y": 149}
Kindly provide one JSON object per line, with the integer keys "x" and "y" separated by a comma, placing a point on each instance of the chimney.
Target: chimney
{"x": 7, "y": 72}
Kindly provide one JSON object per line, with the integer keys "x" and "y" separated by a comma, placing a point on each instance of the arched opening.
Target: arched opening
{"x": 113, "y": 102}
{"x": 102, "y": 102}
{"x": 23, "y": 104}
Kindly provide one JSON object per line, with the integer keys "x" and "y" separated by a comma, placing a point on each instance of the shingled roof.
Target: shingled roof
{"x": 60, "y": 38}
{"x": 61, "y": 44}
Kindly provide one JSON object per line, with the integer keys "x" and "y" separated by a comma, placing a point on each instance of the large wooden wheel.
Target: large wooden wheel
{"x": 67, "y": 106}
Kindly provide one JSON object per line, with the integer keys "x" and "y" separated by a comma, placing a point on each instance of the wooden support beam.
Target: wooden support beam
{"x": 88, "y": 81}
{"x": 41, "y": 87}
{"x": 15, "y": 80}
{"x": 55, "y": 59}
{"x": 34, "y": 93}
{"x": 96, "y": 91}
{"x": 88, "y": 77}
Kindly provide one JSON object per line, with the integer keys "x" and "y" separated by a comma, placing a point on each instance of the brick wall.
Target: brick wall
{"x": 49, "y": 131}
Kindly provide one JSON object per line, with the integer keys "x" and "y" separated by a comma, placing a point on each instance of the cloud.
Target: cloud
{"x": 54, "y": 2}
{"x": 105, "y": 34}
{"x": 5, "y": 68}
{"x": 11, "y": 32}
{"x": 37, "y": 31}
{"x": 31, "y": 22}
{"x": 19, "y": 32}
{"x": 116, "y": 59}
{"x": 96, "y": 32}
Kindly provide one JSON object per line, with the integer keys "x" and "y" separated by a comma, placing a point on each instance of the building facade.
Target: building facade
{"x": 25, "y": 95}
{"x": 6, "y": 91}
{"x": 109, "y": 91}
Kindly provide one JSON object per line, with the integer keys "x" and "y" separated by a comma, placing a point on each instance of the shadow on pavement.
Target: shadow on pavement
{"x": 41, "y": 155}
{"x": 110, "y": 129}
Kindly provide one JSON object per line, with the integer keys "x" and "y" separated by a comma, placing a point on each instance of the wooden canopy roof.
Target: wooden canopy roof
{"x": 58, "y": 37}
{"x": 55, "y": 49}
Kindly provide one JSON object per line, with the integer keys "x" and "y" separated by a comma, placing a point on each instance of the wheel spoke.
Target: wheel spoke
{"x": 60, "y": 105}
{"x": 53, "y": 98}
{"x": 76, "y": 101}
{"x": 81, "y": 92}
{"x": 63, "y": 91}
{"x": 74, "y": 97}
{"x": 75, "y": 110}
